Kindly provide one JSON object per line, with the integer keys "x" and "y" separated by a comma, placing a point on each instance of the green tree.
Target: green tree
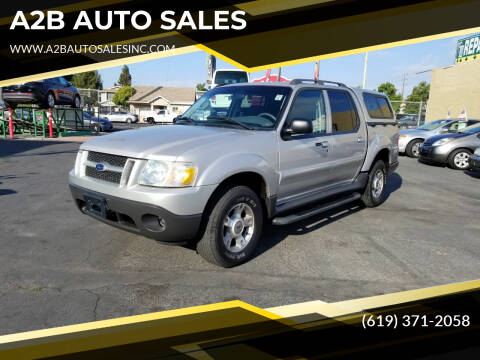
{"x": 122, "y": 95}
{"x": 419, "y": 93}
{"x": 201, "y": 87}
{"x": 391, "y": 91}
{"x": 125, "y": 78}
{"x": 87, "y": 80}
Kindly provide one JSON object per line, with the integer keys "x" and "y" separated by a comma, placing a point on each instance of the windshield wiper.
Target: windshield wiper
{"x": 187, "y": 119}
{"x": 229, "y": 120}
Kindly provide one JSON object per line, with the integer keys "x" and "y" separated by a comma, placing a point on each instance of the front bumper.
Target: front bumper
{"x": 474, "y": 162}
{"x": 139, "y": 218}
{"x": 401, "y": 146}
{"x": 433, "y": 154}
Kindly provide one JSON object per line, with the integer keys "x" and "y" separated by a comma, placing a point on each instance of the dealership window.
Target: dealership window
{"x": 377, "y": 106}
{"x": 309, "y": 105}
{"x": 344, "y": 115}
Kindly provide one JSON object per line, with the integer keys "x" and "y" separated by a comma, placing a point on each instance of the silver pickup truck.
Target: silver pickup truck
{"x": 278, "y": 152}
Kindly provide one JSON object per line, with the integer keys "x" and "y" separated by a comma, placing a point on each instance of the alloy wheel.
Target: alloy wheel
{"x": 238, "y": 227}
{"x": 461, "y": 160}
{"x": 378, "y": 182}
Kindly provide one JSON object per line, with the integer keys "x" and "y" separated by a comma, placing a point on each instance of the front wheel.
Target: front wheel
{"x": 458, "y": 159}
{"x": 233, "y": 228}
{"x": 77, "y": 102}
{"x": 374, "y": 193}
{"x": 413, "y": 148}
{"x": 129, "y": 121}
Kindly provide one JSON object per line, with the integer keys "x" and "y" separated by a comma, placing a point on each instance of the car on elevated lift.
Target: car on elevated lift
{"x": 44, "y": 93}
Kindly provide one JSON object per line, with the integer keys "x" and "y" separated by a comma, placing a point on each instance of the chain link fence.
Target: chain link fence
{"x": 410, "y": 114}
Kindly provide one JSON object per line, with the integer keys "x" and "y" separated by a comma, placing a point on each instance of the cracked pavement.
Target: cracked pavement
{"x": 59, "y": 267}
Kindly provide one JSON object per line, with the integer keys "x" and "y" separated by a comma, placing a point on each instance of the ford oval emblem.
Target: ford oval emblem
{"x": 100, "y": 167}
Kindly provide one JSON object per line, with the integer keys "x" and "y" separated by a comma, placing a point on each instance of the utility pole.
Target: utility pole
{"x": 365, "y": 70}
{"x": 404, "y": 79}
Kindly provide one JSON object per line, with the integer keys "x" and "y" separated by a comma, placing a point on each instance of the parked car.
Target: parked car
{"x": 121, "y": 116}
{"x": 410, "y": 120}
{"x": 284, "y": 152}
{"x": 410, "y": 139}
{"x": 45, "y": 93}
{"x": 474, "y": 160}
{"x": 95, "y": 123}
{"x": 162, "y": 116}
{"x": 453, "y": 149}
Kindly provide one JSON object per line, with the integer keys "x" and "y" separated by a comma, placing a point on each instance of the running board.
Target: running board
{"x": 289, "y": 219}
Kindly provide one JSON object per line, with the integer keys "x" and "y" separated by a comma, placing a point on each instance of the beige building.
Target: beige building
{"x": 453, "y": 89}
{"x": 174, "y": 99}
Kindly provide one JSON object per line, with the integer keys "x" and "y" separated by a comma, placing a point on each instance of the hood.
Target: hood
{"x": 168, "y": 141}
{"x": 413, "y": 132}
{"x": 432, "y": 139}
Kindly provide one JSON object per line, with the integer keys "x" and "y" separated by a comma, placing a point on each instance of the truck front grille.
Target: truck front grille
{"x": 106, "y": 175}
{"x": 111, "y": 169}
{"x": 102, "y": 158}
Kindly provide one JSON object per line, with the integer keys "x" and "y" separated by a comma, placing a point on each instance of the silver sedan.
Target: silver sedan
{"x": 410, "y": 139}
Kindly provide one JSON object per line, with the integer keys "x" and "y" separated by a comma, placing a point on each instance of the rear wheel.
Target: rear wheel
{"x": 458, "y": 159}
{"x": 413, "y": 148}
{"x": 150, "y": 121}
{"x": 233, "y": 228}
{"x": 50, "y": 101}
{"x": 374, "y": 193}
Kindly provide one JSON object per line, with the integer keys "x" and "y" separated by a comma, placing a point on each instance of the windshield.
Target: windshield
{"x": 255, "y": 107}
{"x": 230, "y": 77}
{"x": 432, "y": 125}
{"x": 473, "y": 129}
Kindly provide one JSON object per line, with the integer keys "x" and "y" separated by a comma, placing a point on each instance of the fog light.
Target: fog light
{"x": 154, "y": 223}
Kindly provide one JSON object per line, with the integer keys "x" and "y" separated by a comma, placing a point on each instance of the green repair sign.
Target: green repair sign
{"x": 468, "y": 48}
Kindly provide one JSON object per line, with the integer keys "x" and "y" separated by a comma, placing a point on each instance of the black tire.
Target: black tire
{"x": 129, "y": 121}
{"x": 412, "y": 148}
{"x": 211, "y": 246}
{"x": 150, "y": 121}
{"x": 48, "y": 101}
{"x": 370, "y": 197}
{"x": 75, "y": 100}
{"x": 95, "y": 128}
{"x": 454, "y": 161}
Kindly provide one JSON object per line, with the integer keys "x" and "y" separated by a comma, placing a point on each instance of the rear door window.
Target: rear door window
{"x": 344, "y": 114}
{"x": 377, "y": 106}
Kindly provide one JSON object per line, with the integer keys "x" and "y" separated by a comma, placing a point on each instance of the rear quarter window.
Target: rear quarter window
{"x": 377, "y": 106}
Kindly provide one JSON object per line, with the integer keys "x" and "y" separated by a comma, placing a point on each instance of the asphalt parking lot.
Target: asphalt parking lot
{"x": 60, "y": 267}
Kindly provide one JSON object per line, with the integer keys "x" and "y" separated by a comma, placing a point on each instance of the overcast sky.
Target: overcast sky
{"x": 383, "y": 65}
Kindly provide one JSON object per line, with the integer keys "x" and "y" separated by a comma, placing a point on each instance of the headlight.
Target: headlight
{"x": 442, "y": 141}
{"x": 477, "y": 151}
{"x": 168, "y": 174}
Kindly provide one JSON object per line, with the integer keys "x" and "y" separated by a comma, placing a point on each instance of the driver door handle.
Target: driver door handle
{"x": 360, "y": 139}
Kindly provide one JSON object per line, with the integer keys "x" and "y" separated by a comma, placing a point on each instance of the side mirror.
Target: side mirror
{"x": 300, "y": 127}
{"x": 69, "y": 83}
